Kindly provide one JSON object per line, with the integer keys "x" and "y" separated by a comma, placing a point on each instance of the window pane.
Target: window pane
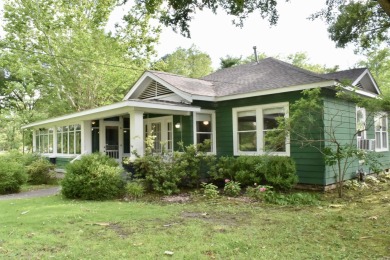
{"x": 384, "y": 139}
{"x": 384, "y": 126}
{"x": 246, "y": 121}
{"x": 247, "y": 141}
{"x": 203, "y": 137}
{"x": 378, "y": 140}
{"x": 71, "y": 143}
{"x": 126, "y": 141}
{"x": 126, "y": 122}
{"x": 270, "y": 121}
{"x": 78, "y": 142}
{"x": 274, "y": 141}
{"x": 203, "y": 126}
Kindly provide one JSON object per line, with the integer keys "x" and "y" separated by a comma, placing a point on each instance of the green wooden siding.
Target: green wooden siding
{"x": 185, "y": 133}
{"x": 310, "y": 163}
{"x": 340, "y": 115}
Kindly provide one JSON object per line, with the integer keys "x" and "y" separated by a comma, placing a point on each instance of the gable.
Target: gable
{"x": 149, "y": 86}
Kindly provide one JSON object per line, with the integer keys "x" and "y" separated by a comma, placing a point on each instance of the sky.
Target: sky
{"x": 218, "y": 37}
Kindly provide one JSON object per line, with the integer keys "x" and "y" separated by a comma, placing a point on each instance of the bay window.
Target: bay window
{"x": 255, "y": 130}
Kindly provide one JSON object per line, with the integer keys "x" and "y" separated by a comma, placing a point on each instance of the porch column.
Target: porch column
{"x": 34, "y": 140}
{"x": 137, "y": 132}
{"x": 86, "y": 137}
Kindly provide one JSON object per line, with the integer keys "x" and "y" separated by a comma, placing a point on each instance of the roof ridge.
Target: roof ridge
{"x": 311, "y": 73}
{"x": 173, "y": 74}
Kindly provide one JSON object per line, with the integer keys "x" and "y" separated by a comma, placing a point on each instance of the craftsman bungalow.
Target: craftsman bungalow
{"x": 234, "y": 108}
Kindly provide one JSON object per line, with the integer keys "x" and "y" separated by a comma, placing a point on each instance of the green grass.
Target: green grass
{"x": 55, "y": 228}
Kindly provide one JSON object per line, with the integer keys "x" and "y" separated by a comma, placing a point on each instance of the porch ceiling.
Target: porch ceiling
{"x": 117, "y": 109}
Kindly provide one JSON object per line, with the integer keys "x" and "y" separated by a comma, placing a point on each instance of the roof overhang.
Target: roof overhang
{"x": 117, "y": 109}
{"x": 322, "y": 84}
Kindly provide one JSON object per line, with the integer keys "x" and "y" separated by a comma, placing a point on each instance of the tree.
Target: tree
{"x": 230, "y": 61}
{"x": 62, "y": 48}
{"x": 379, "y": 63}
{"x": 318, "y": 120}
{"x": 58, "y": 58}
{"x": 187, "y": 62}
{"x": 301, "y": 60}
{"x": 363, "y": 23}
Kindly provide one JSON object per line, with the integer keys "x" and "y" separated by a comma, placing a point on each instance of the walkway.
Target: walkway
{"x": 32, "y": 194}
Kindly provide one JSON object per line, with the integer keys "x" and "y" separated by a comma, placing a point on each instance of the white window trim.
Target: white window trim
{"x": 379, "y": 117}
{"x": 259, "y": 130}
{"x": 213, "y": 129}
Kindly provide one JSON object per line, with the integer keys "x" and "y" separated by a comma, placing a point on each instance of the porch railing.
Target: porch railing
{"x": 112, "y": 151}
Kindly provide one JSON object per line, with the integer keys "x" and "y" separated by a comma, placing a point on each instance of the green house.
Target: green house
{"x": 234, "y": 108}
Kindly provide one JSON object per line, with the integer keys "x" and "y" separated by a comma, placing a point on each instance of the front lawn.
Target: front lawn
{"x": 56, "y": 228}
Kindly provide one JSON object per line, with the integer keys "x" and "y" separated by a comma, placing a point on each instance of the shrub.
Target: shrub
{"x": 232, "y": 188}
{"x": 23, "y": 159}
{"x": 12, "y": 176}
{"x": 279, "y": 172}
{"x": 166, "y": 173}
{"x": 258, "y": 192}
{"x": 158, "y": 174}
{"x": 93, "y": 177}
{"x": 41, "y": 171}
{"x": 135, "y": 189}
{"x": 210, "y": 190}
{"x": 291, "y": 199}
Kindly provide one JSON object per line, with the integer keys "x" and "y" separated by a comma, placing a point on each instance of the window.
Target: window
{"x": 44, "y": 140}
{"x": 361, "y": 133}
{"x": 381, "y": 136}
{"x": 254, "y": 127}
{"x": 69, "y": 139}
{"x": 204, "y": 128}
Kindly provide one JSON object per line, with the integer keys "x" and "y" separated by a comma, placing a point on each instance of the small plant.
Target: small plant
{"x": 135, "y": 189}
{"x": 210, "y": 191}
{"x": 41, "y": 171}
{"x": 277, "y": 198}
{"x": 232, "y": 188}
{"x": 258, "y": 192}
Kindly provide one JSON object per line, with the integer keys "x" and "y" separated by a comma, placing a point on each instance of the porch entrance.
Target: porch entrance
{"x": 112, "y": 141}
{"x": 162, "y": 129}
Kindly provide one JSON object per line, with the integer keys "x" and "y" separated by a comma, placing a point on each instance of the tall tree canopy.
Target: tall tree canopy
{"x": 361, "y": 22}
{"x": 57, "y": 58}
{"x": 59, "y": 53}
{"x": 189, "y": 62}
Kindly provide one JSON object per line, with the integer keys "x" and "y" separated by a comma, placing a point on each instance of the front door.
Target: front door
{"x": 161, "y": 129}
{"x": 112, "y": 141}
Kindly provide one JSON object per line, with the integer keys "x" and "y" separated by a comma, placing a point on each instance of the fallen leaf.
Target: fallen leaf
{"x": 24, "y": 212}
{"x": 373, "y": 218}
{"x": 336, "y": 206}
{"x": 102, "y": 224}
{"x": 168, "y": 252}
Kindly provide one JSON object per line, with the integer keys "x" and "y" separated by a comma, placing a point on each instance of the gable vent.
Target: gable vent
{"x": 359, "y": 85}
{"x": 154, "y": 89}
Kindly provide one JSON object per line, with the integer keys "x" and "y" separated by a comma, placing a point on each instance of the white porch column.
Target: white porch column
{"x": 34, "y": 140}
{"x": 137, "y": 132}
{"x": 86, "y": 137}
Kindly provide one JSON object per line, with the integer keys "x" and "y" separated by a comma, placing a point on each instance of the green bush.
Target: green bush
{"x": 279, "y": 172}
{"x": 291, "y": 199}
{"x": 158, "y": 173}
{"x": 258, "y": 192}
{"x": 93, "y": 177}
{"x": 210, "y": 190}
{"x": 167, "y": 173}
{"x": 24, "y": 159}
{"x": 41, "y": 171}
{"x": 135, "y": 189}
{"x": 12, "y": 176}
{"x": 232, "y": 188}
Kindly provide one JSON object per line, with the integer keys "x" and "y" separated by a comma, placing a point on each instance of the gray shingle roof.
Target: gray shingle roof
{"x": 352, "y": 74}
{"x": 267, "y": 74}
{"x": 187, "y": 85}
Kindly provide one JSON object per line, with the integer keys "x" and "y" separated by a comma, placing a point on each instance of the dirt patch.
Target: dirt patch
{"x": 181, "y": 198}
{"x": 221, "y": 218}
